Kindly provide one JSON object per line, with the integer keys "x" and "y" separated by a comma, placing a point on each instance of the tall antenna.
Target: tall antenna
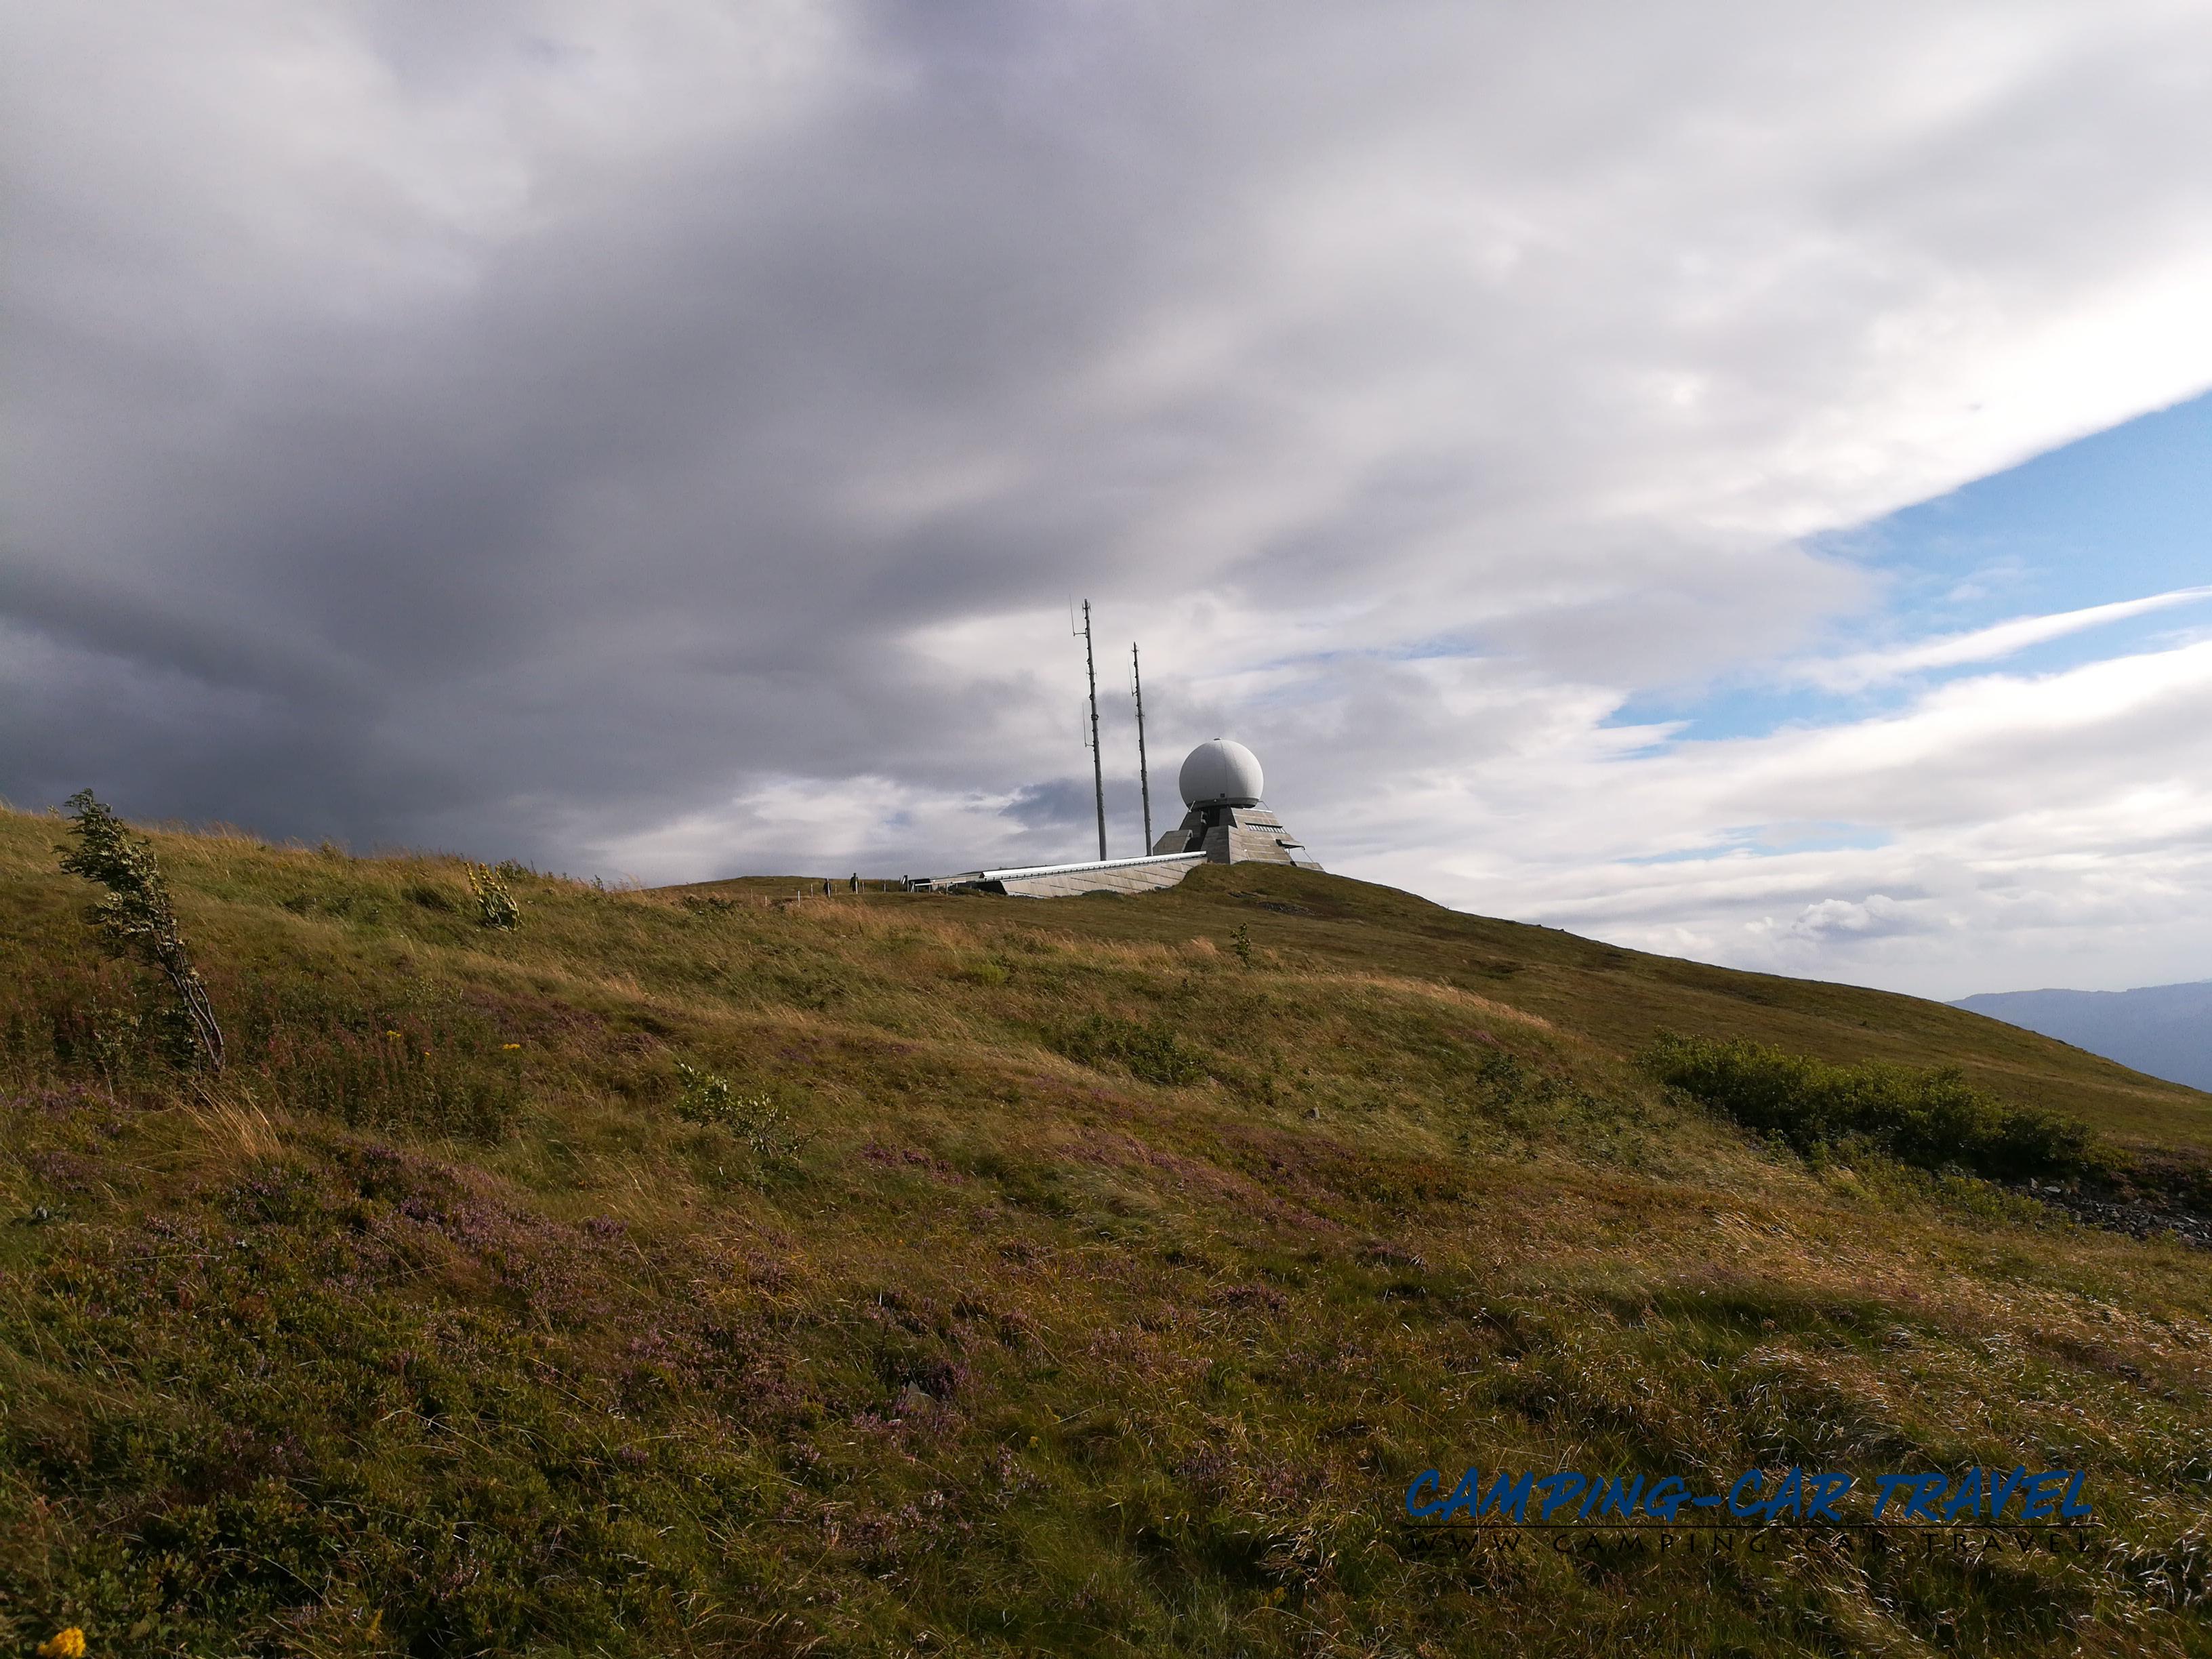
{"x": 1097, "y": 764}
{"x": 1143, "y": 772}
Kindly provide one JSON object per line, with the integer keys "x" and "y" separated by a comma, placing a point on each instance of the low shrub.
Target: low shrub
{"x": 1935, "y": 1118}
{"x": 757, "y": 1120}
{"x": 1151, "y": 1052}
{"x": 495, "y": 905}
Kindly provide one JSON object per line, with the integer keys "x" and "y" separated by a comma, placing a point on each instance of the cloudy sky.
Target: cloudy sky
{"x": 1729, "y": 478}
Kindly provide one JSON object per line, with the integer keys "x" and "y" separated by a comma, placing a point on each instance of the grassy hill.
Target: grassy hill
{"x": 701, "y": 1271}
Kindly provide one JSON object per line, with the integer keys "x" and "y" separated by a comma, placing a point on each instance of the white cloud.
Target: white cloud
{"x": 1876, "y": 916}
{"x": 1868, "y": 668}
{"x": 2024, "y": 831}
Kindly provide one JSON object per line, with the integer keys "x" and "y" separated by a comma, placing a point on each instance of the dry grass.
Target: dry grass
{"x": 1109, "y": 1299}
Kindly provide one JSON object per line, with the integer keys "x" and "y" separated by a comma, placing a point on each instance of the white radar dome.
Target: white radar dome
{"x": 1220, "y": 774}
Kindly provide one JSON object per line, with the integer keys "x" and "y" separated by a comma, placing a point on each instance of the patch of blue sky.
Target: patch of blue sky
{"x": 1709, "y": 714}
{"x": 2121, "y": 515}
{"x": 1768, "y": 840}
{"x": 1765, "y": 701}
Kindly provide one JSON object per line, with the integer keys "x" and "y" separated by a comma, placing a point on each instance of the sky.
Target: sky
{"x": 1730, "y": 479}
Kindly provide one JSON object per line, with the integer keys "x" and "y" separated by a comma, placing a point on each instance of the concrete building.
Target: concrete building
{"x": 1228, "y": 822}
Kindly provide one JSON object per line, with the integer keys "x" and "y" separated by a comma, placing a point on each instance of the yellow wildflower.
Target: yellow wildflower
{"x": 392, "y": 1033}
{"x": 510, "y": 1045}
{"x": 64, "y": 1645}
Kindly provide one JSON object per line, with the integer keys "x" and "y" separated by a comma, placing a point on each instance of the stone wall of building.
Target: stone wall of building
{"x": 1237, "y": 835}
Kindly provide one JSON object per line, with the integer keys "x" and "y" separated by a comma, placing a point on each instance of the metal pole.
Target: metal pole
{"x": 1144, "y": 772}
{"x": 1098, "y": 762}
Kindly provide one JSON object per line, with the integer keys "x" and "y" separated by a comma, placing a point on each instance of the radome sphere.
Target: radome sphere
{"x": 1220, "y": 772}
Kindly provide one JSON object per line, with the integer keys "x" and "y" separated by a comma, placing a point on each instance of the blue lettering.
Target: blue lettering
{"x": 1426, "y": 1478}
{"x": 1928, "y": 1488}
{"x": 2071, "y": 1509}
{"x": 1966, "y": 1495}
{"x": 1886, "y": 1485}
{"x": 1786, "y": 1496}
{"x": 1512, "y": 1499}
{"x": 1467, "y": 1495}
{"x": 2036, "y": 1502}
{"x": 2001, "y": 1491}
{"x": 1555, "y": 1491}
{"x": 1821, "y": 1494}
{"x": 1666, "y": 1497}
{"x": 1755, "y": 1480}
{"x": 1620, "y": 1495}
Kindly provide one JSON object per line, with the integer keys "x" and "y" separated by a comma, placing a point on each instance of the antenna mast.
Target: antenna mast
{"x": 1143, "y": 772}
{"x": 1097, "y": 764}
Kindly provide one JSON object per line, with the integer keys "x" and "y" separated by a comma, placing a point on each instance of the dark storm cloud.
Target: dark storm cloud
{"x": 601, "y": 433}
{"x": 570, "y": 532}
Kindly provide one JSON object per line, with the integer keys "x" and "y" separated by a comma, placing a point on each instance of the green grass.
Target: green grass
{"x": 698, "y": 1272}
{"x": 1933, "y": 1119}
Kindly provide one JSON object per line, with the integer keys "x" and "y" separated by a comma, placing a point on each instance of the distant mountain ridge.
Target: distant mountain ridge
{"x": 2163, "y": 1030}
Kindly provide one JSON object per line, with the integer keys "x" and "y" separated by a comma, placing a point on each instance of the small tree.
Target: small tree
{"x": 135, "y": 917}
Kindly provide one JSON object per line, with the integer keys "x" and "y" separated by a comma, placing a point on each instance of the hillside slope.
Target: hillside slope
{"x": 701, "y": 1271}
{"x": 2164, "y": 1030}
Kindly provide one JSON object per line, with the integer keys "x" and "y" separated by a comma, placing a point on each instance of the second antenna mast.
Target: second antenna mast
{"x": 1144, "y": 772}
{"x": 1097, "y": 763}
